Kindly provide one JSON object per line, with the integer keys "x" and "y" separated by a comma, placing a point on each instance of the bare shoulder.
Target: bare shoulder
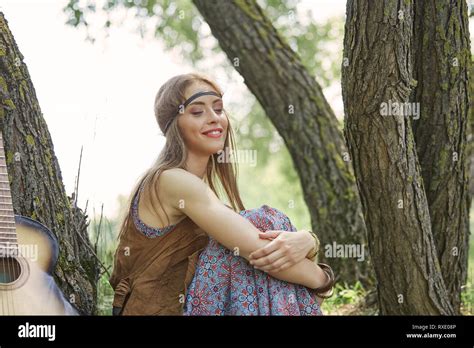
{"x": 176, "y": 173}
{"x": 176, "y": 177}
{"x": 180, "y": 183}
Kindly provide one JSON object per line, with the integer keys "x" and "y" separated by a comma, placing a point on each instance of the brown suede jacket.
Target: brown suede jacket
{"x": 151, "y": 275}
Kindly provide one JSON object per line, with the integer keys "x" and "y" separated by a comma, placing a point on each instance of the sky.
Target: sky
{"x": 99, "y": 96}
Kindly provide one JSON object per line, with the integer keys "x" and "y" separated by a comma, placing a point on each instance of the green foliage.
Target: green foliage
{"x": 312, "y": 41}
{"x": 179, "y": 25}
{"x": 467, "y": 298}
{"x": 348, "y": 300}
{"x": 105, "y": 296}
{"x": 467, "y": 294}
{"x": 346, "y": 294}
{"x": 175, "y": 21}
{"x": 103, "y": 235}
{"x": 275, "y": 184}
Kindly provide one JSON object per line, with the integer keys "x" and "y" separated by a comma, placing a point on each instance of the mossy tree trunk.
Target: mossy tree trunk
{"x": 377, "y": 49}
{"x": 442, "y": 56}
{"x": 296, "y": 106}
{"x": 470, "y": 133}
{"x": 35, "y": 177}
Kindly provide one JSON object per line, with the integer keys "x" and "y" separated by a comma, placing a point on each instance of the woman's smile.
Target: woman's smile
{"x": 213, "y": 133}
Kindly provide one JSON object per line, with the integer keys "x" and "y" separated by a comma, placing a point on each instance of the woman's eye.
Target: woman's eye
{"x": 219, "y": 111}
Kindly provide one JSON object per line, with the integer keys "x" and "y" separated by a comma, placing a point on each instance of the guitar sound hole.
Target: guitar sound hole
{"x": 10, "y": 270}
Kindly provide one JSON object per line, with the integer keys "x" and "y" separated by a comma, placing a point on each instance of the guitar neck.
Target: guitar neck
{"x": 8, "y": 235}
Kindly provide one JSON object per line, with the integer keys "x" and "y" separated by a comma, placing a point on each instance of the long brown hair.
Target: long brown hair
{"x": 173, "y": 155}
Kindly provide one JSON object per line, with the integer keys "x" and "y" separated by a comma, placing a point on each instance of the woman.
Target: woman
{"x": 253, "y": 261}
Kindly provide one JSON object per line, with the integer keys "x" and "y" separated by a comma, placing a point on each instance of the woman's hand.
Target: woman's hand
{"x": 285, "y": 250}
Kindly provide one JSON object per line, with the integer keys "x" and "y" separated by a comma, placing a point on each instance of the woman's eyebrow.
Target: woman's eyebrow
{"x": 202, "y": 103}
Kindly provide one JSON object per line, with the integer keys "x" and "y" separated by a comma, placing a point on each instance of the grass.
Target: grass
{"x": 103, "y": 234}
{"x": 348, "y": 300}
{"x": 467, "y": 295}
{"x": 105, "y": 296}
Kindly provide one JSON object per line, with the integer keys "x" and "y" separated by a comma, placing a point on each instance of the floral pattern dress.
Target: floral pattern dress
{"x": 227, "y": 284}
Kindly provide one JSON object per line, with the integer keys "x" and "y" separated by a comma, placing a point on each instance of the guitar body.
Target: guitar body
{"x": 26, "y": 283}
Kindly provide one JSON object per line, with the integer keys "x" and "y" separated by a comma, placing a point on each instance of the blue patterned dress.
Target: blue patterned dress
{"x": 227, "y": 284}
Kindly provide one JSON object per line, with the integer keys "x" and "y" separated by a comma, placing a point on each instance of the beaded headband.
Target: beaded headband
{"x": 186, "y": 103}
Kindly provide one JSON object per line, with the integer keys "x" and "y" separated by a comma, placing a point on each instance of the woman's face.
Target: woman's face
{"x": 200, "y": 118}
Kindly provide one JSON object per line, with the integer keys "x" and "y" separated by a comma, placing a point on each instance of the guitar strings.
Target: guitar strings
{"x": 3, "y": 275}
{"x": 4, "y": 272}
{"x": 10, "y": 275}
{"x": 8, "y": 257}
{"x": 13, "y": 261}
{"x": 9, "y": 270}
{"x": 12, "y": 271}
{"x": 7, "y": 273}
{"x": 6, "y": 252}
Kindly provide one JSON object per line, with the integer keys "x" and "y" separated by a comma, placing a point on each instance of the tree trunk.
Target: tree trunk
{"x": 35, "y": 177}
{"x": 470, "y": 136}
{"x": 378, "y": 74}
{"x": 441, "y": 64}
{"x": 296, "y": 106}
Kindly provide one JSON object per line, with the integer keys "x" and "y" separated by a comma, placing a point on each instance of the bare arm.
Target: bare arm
{"x": 192, "y": 196}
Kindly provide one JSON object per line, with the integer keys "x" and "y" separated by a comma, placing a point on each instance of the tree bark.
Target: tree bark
{"x": 441, "y": 64}
{"x": 35, "y": 177}
{"x": 470, "y": 136}
{"x": 296, "y": 106}
{"x": 377, "y": 49}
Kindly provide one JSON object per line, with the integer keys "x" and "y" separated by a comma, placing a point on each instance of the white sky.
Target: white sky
{"x": 100, "y": 95}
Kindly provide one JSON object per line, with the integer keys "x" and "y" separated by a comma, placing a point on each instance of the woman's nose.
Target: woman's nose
{"x": 213, "y": 115}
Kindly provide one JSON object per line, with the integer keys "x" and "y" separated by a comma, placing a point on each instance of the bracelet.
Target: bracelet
{"x": 312, "y": 255}
{"x": 327, "y": 290}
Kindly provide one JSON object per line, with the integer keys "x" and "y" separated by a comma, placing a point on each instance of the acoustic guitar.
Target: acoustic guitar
{"x": 28, "y": 255}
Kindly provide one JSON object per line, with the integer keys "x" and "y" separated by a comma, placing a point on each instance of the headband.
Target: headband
{"x": 189, "y": 100}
